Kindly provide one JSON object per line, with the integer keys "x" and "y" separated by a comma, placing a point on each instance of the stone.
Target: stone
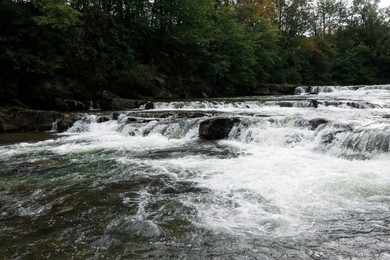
{"x": 67, "y": 121}
{"x": 335, "y": 129}
{"x": 149, "y": 105}
{"x": 30, "y": 120}
{"x": 103, "y": 119}
{"x": 314, "y": 103}
{"x": 316, "y": 122}
{"x": 216, "y": 128}
{"x": 364, "y": 141}
{"x": 110, "y": 101}
{"x": 115, "y": 116}
{"x": 4, "y": 127}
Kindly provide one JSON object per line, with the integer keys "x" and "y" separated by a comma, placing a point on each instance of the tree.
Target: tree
{"x": 292, "y": 17}
{"x": 330, "y": 15}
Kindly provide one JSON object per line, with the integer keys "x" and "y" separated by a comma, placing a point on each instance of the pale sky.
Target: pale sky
{"x": 384, "y": 3}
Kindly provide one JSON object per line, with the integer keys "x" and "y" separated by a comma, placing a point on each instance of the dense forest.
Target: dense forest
{"x": 184, "y": 48}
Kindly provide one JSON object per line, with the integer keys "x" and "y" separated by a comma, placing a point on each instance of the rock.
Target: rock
{"x": 94, "y": 105}
{"x": 300, "y": 90}
{"x": 149, "y": 105}
{"x": 67, "y": 121}
{"x": 273, "y": 89}
{"x": 103, "y": 119}
{"x": 75, "y": 105}
{"x": 282, "y": 89}
{"x": 315, "y": 123}
{"x": 37, "y": 166}
{"x": 314, "y": 103}
{"x": 111, "y": 101}
{"x": 115, "y": 116}
{"x": 364, "y": 141}
{"x": 27, "y": 167}
{"x": 60, "y": 201}
{"x": 4, "y": 127}
{"x": 314, "y": 90}
{"x": 332, "y": 131}
{"x": 19, "y": 103}
{"x": 360, "y": 105}
{"x": 192, "y": 114}
{"x": 28, "y": 120}
{"x": 285, "y": 104}
{"x": 216, "y": 128}
{"x": 131, "y": 120}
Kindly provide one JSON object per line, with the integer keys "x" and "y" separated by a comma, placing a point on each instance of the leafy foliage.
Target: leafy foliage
{"x": 190, "y": 47}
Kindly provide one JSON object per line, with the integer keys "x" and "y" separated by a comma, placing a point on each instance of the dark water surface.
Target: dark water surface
{"x": 10, "y": 138}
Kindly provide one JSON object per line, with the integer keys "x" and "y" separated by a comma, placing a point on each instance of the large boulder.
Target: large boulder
{"x": 316, "y": 122}
{"x": 216, "y": 128}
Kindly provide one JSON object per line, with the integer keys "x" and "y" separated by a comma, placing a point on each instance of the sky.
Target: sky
{"x": 384, "y": 3}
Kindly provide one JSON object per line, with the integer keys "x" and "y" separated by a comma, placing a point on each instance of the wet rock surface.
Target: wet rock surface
{"x": 19, "y": 119}
{"x": 315, "y": 123}
{"x": 110, "y": 101}
{"x": 216, "y": 128}
{"x": 363, "y": 142}
{"x": 67, "y": 121}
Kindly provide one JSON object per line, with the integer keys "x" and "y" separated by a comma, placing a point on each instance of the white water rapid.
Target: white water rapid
{"x": 298, "y": 177}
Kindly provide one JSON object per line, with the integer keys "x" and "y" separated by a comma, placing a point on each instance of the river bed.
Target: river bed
{"x": 299, "y": 177}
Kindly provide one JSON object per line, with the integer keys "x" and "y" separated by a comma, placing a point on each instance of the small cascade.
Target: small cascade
{"x": 363, "y": 143}
{"x": 83, "y": 125}
{"x": 327, "y": 123}
{"x": 54, "y": 126}
{"x": 322, "y": 135}
{"x": 314, "y": 90}
{"x": 350, "y": 104}
{"x": 330, "y": 136}
{"x": 209, "y": 105}
{"x": 294, "y": 104}
{"x": 283, "y": 132}
{"x": 143, "y": 124}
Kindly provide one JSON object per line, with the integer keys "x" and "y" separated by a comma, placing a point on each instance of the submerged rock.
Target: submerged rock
{"x": 37, "y": 166}
{"x": 216, "y": 128}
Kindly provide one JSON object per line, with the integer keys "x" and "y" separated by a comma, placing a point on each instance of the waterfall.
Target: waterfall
{"x": 304, "y": 176}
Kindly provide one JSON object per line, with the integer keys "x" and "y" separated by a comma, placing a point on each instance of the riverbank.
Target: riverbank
{"x": 59, "y": 113}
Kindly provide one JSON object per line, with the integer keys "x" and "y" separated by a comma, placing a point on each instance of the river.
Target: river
{"x": 299, "y": 177}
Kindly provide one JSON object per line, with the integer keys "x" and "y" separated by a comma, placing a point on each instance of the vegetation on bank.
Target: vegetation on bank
{"x": 74, "y": 49}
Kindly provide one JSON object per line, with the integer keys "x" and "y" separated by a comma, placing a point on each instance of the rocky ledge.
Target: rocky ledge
{"x": 20, "y": 119}
{"x": 216, "y": 128}
{"x": 23, "y": 120}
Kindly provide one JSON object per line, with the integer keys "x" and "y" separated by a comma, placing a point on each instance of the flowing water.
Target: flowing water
{"x": 299, "y": 177}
